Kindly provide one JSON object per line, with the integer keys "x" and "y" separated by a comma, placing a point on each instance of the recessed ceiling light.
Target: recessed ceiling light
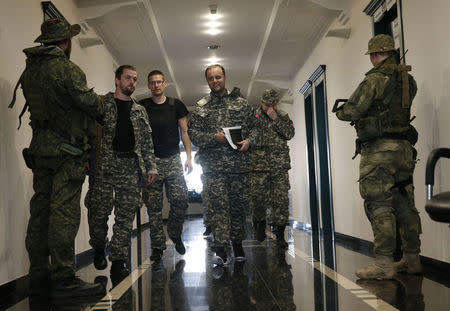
{"x": 213, "y": 46}
{"x": 213, "y": 31}
{"x": 213, "y": 60}
{"x": 213, "y": 17}
{"x": 213, "y": 24}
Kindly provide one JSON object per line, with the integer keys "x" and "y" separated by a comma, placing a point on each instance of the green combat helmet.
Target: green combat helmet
{"x": 381, "y": 43}
{"x": 270, "y": 97}
{"x": 57, "y": 29}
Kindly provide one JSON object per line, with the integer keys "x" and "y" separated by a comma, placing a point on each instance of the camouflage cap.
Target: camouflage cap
{"x": 57, "y": 29}
{"x": 381, "y": 43}
{"x": 270, "y": 97}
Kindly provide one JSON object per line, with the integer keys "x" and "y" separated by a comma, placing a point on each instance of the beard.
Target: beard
{"x": 127, "y": 90}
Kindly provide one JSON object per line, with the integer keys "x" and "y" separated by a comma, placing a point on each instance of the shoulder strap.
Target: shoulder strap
{"x": 19, "y": 82}
{"x": 171, "y": 101}
{"x": 13, "y": 101}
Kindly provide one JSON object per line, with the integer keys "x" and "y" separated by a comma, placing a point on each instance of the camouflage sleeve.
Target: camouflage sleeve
{"x": 83, "y": 97}
{"x": 284, "y": 126}
{"x": 198, "y": 133}
{"x": 250, "y": 125}
{"x": 147, "y": 150}
{"x": 368, "y": 91}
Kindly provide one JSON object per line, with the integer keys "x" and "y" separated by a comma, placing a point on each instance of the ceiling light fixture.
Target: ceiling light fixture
{"x": 213, "y": 24}
{"x": 213, "y": 17}
{"x": 213, "y": 60}
{"x": 213, "y": 31}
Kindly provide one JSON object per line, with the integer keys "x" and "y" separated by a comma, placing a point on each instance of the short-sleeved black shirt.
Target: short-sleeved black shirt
{"x": 164, "y": 122}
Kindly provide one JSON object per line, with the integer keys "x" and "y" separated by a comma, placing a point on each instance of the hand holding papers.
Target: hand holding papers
{"x": 233, "y": 135}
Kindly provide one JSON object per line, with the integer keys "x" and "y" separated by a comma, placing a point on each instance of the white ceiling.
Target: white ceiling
{"x": 263, "y": 42}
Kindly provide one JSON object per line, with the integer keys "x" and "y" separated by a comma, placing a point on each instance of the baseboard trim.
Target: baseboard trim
{"x": 13, "y": 292}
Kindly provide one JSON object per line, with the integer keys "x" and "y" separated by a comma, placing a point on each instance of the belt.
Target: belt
{"x": 45, "y": 125}
{"x": 125, "y": 154}
{"x": 394, "y": 136}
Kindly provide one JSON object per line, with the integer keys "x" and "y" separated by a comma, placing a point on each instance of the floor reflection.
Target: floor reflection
{"x": 269, "y": 279}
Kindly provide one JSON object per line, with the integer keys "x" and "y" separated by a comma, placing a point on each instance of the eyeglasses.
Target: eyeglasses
{"x": 158, "y": 82}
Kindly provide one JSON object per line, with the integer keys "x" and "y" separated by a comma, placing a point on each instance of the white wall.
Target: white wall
{"x": 20, "y": 22}
{"x": 424, "y": 27}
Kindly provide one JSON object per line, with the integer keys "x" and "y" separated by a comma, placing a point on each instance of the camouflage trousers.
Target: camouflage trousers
{"x": 170, "y": 175}
{"x": 269, "y": 196}
{"x": 206, "y": 201}
{"x": 227, "y": 202}
{"x": 55, "y": 215}
{"x": 385, "y": 184}
{"x": 118, "y": 188}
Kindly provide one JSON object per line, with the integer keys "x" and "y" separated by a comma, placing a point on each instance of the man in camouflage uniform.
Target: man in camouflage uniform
{"x": 380, "y": 110}
{"x": 167, "y": 117}
{"x": 225, "y": 170}
{"x": 270, "y": 165}
{"x": 61, "y": 108}
{"x": 126, "y": 163}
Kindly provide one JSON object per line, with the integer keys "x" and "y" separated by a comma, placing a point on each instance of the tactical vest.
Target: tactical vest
{"x": 48, "y": 110}
{"x": 390, "y": 117}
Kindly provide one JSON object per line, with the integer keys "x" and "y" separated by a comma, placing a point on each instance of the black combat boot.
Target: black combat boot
{"x": 179, "y": 246}
{"x": 261, "y": 230}
{"x": 221, "y": 258}
{"x": 74, "y": 287}
{"x": 208, "y": 231}
{"x": 39, "y": 284}
{"x": 281, "y": 242}
{"x": 156, "y": 254}
{"x": 100, "y": 262}
{"x": 239, "y": 254}
{"x": 118, "y": 271}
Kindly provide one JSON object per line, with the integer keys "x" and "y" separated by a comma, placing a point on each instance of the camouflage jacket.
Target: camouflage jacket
{"x": 371, "y": 92}
{"x": 272, "y": 151}
{"x": 212, "y": 113}
{"x": 62, "y": 107}
{"x": 143, "y": 146}
{"x": 376, "y": 106}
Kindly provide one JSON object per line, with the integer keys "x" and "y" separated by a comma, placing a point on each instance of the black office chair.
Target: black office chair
{"x": 438, "y": 205}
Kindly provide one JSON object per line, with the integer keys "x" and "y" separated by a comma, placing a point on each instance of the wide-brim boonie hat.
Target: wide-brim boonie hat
{"x": 57, "y": 29}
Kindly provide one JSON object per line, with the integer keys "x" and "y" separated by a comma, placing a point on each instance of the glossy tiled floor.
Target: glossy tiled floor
{"x": 267, "y": 280}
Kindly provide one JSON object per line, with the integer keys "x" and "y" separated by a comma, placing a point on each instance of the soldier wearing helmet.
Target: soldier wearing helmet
{"x": 380, "y": 110}
{"x": 62, "y": 111}
{"x": 270, "y": 165}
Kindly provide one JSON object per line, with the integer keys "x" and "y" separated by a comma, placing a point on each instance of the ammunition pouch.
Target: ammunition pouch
{"x": 371, "y": 127}
{"x": 368, "y": 128}
{"x": 402, "y": 184}
{"x": 29, "y": 158}
{"x": 412, "y": 135}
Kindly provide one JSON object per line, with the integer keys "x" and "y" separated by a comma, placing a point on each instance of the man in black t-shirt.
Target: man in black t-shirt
{"x": 167, "y": 118}
{"x": 126, "y": 163}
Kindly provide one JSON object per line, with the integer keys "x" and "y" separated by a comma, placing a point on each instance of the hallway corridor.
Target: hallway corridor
{"x": 267, "y": 280}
